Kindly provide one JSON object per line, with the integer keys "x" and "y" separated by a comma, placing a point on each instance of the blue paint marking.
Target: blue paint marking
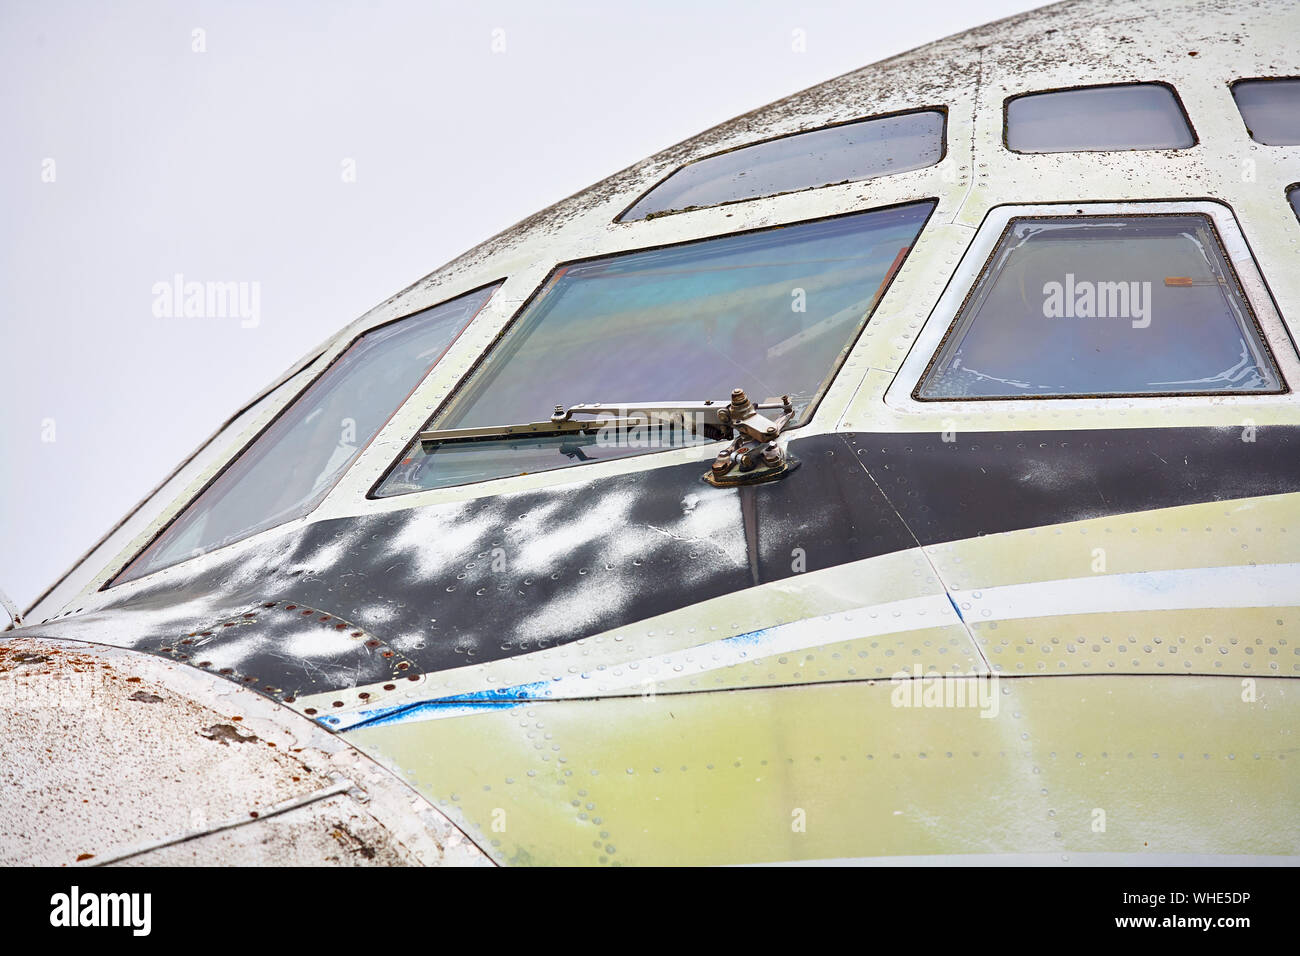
{"x": 497, "y": 698}
{"x": 752, "y": 638}
{"x": 961, "y": 617}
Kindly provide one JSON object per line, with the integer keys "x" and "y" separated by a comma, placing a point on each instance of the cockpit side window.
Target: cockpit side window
{"x": 1270, "y": 109}
{"x": 773, "y": 312}
{"x": 297, "y": 459}
{"x": 1293, "y": 197}
{"x": 849, "y": 152}
{"x": 1094, "y": 118}
{"x": 1107, "y": 305}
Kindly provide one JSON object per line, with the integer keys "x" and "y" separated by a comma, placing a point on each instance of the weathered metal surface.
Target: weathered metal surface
{"x": 111, "y": 756}
{"x": 334, "y": 831}
{"x": 301, "y": 650}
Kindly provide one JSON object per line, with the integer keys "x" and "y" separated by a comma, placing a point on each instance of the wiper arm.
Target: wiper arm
{"x": 698, "y": 417}
{"x": 752, "y": 456}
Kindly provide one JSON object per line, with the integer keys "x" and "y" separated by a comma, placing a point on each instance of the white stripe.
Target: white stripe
{"x": 1263, "y": 585}
{"x": 1267, "y": 585}
{"x": 910, "y": 614}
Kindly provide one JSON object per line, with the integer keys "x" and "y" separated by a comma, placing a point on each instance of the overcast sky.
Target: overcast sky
{"x": 131, "y": 156}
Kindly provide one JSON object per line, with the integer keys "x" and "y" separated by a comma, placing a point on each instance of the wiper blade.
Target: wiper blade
{"x": 698, "y": 417}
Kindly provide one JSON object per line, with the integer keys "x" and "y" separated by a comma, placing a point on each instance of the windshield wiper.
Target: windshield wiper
{"x": 700, "y": 417}
{"x": 753, "y": 454}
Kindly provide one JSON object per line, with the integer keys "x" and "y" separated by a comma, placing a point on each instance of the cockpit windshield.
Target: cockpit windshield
{"x": 1083, "y": 306}
{"x": 289, "y": 468}
{"x": 773, "y": 311}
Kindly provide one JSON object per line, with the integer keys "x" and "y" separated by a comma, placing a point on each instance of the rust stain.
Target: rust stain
{"x": 225, "y": 734}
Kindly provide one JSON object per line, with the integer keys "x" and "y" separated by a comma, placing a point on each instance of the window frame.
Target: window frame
{"x": 1274, "y": 333}
{"x": 541, "y": 287}
{"x": 1241, "y": 117}
{"x": 943, "y": 154}
{"x": 1182, "y": 107}
{"x": 181, "y": 504}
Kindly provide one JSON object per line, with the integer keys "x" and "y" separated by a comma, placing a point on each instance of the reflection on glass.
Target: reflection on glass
{"x": 290, "y": 467}
{"x": 837, "y": 154}
{"x": 1270, "y": 109}
{"x": 773, "y": 312}
{"x": 1134, "y": 116}
{"x": 1143, "y": 305}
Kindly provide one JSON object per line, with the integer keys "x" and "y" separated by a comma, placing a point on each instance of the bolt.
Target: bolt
{"x": 772, "y": 454}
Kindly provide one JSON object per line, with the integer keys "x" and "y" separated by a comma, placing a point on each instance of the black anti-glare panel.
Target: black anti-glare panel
{"x": 352, "y": 601}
